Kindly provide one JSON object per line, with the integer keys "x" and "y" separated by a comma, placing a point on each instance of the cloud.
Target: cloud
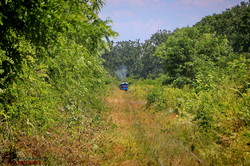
{"x": 151, "y": 26}
{"x": 195, "y": 18}
{"x": 133, "y": 2}
{"x": 138, "y": 29}
{"x": 123, "y": 13}
{"x": 138, "y": 19}
{"x": 202, "y": 3}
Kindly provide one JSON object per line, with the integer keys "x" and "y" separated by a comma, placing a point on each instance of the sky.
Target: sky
{"x": 139, "y": 19}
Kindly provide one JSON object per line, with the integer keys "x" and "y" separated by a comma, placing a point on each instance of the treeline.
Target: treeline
{"x": 136, "y": 56}
{"x": 50, "y": 71}
{"x": 220, "y": 36}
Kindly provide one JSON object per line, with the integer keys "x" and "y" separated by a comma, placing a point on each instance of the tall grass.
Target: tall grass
{"x": 211, "y": 125}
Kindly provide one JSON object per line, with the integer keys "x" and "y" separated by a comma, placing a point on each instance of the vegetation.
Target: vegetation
{"x": 188, "y": 102}
{"x": 136, "y": 56}
{"x": 164, "y": 125}
{"x": 50, "y": 76}
{"x": 232, "y": 23}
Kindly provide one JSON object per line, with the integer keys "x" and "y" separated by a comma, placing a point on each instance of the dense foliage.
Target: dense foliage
{"x": 124, "y": 53}
{"x": 189, "y": 56}
{"x": 234, "y": 23}
{"x": 209, "y": 64}
{"x": 50, "y": 63}
{"x": 203, "y": 55}
{"x": 52, "y": 59}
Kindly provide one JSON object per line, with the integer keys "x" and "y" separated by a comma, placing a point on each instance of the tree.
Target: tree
{"x": 185, "y": 51}
{"x": 151, "y": 65}
{"x": 50, "y": 59}
{"x": 136, "y": 56}
{"x": 124, "y": 53}
{"x": 234, "y": 23}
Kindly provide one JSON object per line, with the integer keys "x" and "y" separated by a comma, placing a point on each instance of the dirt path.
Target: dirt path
{"x": 138, "y": 137}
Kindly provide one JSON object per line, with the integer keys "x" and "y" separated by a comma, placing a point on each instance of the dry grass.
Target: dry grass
{"x": 62, "y": 145}
{"x": 139, "y": 137}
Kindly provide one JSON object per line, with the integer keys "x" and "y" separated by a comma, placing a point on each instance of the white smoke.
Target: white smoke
{"x": 121, "y": 73}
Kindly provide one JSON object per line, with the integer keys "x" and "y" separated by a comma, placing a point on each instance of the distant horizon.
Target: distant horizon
{"x": 139, "y": 19}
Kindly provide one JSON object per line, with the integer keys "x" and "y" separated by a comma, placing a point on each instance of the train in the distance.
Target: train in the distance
{"x": 124, "y": 86}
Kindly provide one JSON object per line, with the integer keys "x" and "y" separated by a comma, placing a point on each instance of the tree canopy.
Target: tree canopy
{"x": 50, "y": 59}
{"x": 234, "y": 23}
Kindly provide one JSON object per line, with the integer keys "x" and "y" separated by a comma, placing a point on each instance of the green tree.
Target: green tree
{"x": 50, "y": 59}
{"x": 234, "y": 23}
{"x": 124, "y": 53}
{"x": 151, "y": 65}
{"x": 189, "y": 55}
{"x": 136, "y": 56}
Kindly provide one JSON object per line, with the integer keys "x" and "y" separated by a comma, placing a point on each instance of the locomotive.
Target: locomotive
{"x": 124, "y": 86}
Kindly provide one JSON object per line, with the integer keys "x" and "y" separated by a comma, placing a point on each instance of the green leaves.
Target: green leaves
{"x": 189, "y": 55}
{"x": 178, "y": 53}
{"x": 50, "y": 60}
{"x": 125, "y": 53}
{"x": 233, "y": 23}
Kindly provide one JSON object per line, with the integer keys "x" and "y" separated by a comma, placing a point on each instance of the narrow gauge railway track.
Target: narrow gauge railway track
{"x": 162, "y": 130}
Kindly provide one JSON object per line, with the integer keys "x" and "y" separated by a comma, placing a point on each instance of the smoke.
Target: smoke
{"x": 121, "y": 73}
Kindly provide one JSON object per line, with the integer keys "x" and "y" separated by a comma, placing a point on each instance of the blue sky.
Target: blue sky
{"x": 139, "y": 19}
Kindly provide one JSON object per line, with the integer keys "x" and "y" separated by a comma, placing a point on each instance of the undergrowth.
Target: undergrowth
{"x": 212, "y": 125}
